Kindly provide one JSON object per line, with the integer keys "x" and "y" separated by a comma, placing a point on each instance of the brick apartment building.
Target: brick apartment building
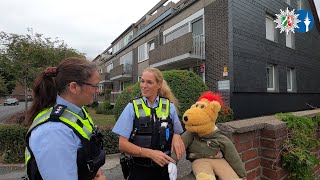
{"x": 231, "y": 44}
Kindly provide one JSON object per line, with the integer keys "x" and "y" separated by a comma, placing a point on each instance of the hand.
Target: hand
{"x": 172, "y": 170}
{"x": 178, "y": 145}
{"x": 159, "y": 157}
{"x": 99, "y": 175}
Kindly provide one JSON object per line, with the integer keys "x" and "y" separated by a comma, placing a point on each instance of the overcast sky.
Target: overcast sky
{"x": 88, "y": 26}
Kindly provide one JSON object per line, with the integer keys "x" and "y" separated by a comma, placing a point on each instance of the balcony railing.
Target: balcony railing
{"x": 121, "y": 72}
{"x": 188, "y": 46}
{"x": 198, "y": 45}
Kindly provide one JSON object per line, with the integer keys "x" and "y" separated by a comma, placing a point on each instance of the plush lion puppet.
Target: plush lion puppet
{"x": 212, "y": 153}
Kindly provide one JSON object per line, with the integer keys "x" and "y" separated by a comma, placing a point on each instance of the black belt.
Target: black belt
{"x": 146, "y": 162}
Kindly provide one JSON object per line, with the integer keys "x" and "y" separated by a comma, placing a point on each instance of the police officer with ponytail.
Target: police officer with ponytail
{"x": 149, "y": 130}
{"x": 62, "y": 142}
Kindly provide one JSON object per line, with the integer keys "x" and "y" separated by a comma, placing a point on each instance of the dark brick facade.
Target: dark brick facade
{"x": 216, "y": 40}
{"x": 251, "y": 52}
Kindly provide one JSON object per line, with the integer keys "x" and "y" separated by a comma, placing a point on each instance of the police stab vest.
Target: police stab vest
{"x": 153, "y": 127}
{"x": 90, "y": 157}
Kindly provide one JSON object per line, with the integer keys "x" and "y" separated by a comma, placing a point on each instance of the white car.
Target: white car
{"x": 11, "y": 101}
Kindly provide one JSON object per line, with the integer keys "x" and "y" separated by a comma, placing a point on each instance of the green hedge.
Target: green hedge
{"x": 13, "y": 142}
{"x": 185, "y": 85}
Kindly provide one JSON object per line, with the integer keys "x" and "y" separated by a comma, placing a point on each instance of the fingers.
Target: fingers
{"x": 161, "y": 158}
{"x": 99, "y": 173}
{"x": 179, "y": 148}
{"x": 169, "y": 159}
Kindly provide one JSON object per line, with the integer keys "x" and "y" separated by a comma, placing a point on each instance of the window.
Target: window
{"x": 184, "y": 29}
{"x": 150, "y": 45}
{"x": 290, "y": 40}
{"x": 271, "y": 78}
{"x": 197, "y": 27}
{"x": 109, "y": 67}
{"x": 101, "y": 88}
{"x": 100, "y": 71}
{"x": 300, "y": 4}
{"x": 288, "y": 1}
{"x": 290, "y": 79}
{"x": 123, "y": 42}
{"x": 121, "y": 85}
{"x": 126, "y": 59}
{"x": 142, "y": 52}
{"x": 270, "y": 29}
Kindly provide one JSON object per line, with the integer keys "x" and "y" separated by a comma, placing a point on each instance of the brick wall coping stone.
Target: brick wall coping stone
{"x": 263, "y": 122}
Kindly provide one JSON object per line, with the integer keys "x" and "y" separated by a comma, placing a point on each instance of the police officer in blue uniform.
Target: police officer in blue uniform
{"x": 149, "y": 129}
{"x": 62, "y": 142}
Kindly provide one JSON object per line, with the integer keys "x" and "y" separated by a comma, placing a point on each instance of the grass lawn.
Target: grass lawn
{"x": 101, "y": 119}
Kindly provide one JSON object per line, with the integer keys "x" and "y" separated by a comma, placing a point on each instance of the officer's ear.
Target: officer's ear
{"x": 73, "y": 87}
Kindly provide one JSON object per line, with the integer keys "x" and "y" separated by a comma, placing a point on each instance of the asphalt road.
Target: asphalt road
{"x": 7, "y": 111}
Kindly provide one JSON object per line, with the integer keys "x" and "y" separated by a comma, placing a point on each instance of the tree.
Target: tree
{"x": 24, "y": 56}
{"x": 8, "y": 78}
{"x": 3, "y": 87}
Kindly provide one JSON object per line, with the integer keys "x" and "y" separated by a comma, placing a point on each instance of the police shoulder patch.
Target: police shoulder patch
{"x": 58, "y": 110}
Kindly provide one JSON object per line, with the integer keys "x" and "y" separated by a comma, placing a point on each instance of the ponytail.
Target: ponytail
{"x": 44, "y": 93}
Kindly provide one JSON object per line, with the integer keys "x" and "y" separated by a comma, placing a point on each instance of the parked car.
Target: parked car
{"x": 11, "y": 101}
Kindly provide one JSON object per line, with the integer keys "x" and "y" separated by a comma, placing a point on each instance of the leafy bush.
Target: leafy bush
{"x": 104, "y": 108}
{"x": 185, "y": 85}
{"x": 110, "y": 141}
{"x": 94, "y": 104}
{"x": 12, "y": 143}
{"x": 297, "y": 155}
{"x": 225, "y": 114}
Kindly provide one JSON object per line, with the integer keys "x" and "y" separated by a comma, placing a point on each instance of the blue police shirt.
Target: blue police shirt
{"x": 55, "y": 146}
{"x": 124, "y": 125}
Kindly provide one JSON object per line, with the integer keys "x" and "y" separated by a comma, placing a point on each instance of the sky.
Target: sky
{"x": 87, "y": 26}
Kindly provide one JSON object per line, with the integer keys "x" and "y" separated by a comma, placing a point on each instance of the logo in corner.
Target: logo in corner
{"x": 287, "y": 21}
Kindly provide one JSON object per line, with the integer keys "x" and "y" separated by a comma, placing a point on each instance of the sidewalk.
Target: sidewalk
{"x": 111, "y": 169}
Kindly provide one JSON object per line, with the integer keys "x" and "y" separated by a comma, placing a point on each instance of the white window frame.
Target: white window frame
{"x": 270, "y": 29}
{"x": 272, "y": 67}
{"x": 150, "y": 47}
{"x": 101, "y": 88}
{"x": 121, "y": 85}
{"x": 290, "y": 79}
{"x": 290, "y": 43}
{"x": 142, "y": 55}
{"x": 299, "y": 4}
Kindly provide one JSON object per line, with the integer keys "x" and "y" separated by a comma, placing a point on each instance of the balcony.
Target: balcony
{"x": 123, "y": 72}
{"x": 106, "y": 79}
{"x": 185, "y": 50}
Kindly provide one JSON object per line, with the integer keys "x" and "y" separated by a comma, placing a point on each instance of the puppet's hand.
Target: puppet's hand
{"x": 219, "y": 155}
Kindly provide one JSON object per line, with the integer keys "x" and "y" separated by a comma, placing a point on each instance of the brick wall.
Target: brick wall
{"x": 259, "y": 141}
{"x": 216, "y": 44}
